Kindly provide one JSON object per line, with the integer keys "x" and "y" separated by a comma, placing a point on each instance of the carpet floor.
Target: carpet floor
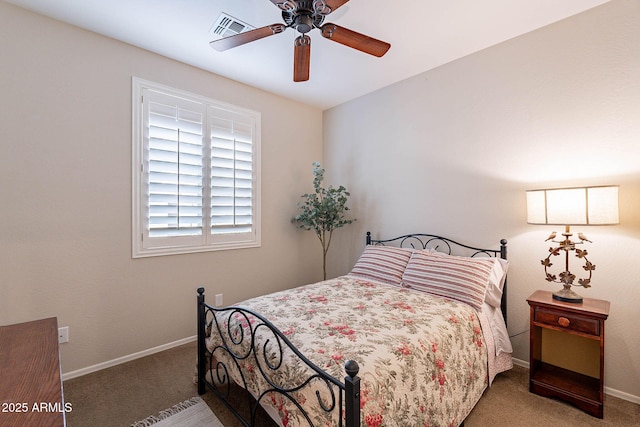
{"x": 123, "y": 394}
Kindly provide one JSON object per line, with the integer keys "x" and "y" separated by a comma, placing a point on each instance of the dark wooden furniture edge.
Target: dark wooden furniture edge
{"x": 31, "y": 386}
{"x": 596, "y": 307}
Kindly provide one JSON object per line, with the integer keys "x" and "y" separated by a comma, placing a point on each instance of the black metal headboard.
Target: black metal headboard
{"x": 446, "y": 245}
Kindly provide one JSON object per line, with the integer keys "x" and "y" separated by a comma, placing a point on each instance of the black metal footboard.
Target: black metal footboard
{"x": 250, "y": 346}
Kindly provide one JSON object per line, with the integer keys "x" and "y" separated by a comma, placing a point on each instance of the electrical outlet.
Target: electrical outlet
{"x": 218, "y": 300}
{"x": 63, "y": 334}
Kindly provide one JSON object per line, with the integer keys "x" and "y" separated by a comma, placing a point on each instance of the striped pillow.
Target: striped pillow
{"x": 460, "y": 278}
{"x": 383, "y": 263}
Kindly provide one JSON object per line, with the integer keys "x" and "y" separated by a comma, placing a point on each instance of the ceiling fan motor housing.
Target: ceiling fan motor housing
{"x": 303, "y": 18}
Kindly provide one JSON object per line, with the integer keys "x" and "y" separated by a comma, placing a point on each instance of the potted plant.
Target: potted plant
{"x": 323, "y": 211}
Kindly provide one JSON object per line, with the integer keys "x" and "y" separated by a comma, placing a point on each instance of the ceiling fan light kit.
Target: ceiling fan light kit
{"x": 303, "y": 16}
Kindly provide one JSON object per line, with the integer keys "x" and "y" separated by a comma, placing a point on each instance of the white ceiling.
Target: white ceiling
{"x": 424, "y": 34}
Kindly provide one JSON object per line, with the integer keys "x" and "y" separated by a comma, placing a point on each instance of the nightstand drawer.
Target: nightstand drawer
{"x": 568, "y": 321}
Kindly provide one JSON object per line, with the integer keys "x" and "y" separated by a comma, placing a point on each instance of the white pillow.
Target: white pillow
{"x": 496, "y": 282}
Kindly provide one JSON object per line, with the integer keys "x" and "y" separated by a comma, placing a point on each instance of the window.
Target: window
{"x": 195, "y": 173}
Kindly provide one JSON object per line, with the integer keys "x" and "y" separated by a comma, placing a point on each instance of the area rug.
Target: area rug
{"x": 190, "y": 413}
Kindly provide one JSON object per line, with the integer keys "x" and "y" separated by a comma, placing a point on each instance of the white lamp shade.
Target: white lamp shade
{"x": 573, "y": 206}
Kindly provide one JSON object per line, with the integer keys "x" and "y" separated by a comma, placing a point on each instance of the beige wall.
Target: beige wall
{"x": 452, "y": 151}
{"x": 65, "y": 186}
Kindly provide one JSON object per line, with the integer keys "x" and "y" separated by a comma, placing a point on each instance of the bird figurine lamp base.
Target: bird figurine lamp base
{"x": 566, "y": 278}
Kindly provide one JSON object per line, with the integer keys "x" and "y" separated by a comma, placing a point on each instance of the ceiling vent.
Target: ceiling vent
{"x": 226, "y": 26}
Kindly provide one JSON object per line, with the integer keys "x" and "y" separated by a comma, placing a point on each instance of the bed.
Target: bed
{"x": 413, "y": 335}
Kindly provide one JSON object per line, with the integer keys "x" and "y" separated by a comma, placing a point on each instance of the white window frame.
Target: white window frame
{"x": 144, "y": 245}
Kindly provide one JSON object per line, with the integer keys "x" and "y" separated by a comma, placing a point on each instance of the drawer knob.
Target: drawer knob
{"x": 564, "y": 322}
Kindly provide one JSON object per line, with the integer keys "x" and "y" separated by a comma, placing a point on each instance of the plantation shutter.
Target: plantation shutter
{"x": 174, "y": 166}
{"x": 196, "y": 177}
{"x": 232, "y": 171}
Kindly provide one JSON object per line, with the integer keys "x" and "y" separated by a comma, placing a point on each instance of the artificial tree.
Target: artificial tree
{"x": 323, "y": 211}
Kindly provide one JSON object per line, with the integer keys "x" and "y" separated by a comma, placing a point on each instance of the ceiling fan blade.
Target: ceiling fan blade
{"x": 287, "y": 5}
{"x": 301, "y": 58}
{"x": 243, "y": 38}
{"x": 333, "y": 4}
{"x": 355, "y": 40}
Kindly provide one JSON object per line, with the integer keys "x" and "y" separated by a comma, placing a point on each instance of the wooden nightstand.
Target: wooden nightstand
{"x": 566, "y": 351}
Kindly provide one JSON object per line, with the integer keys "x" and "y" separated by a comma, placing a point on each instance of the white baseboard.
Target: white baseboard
{"x": 128, "y": 358}
{"x": 520, "y": 362}
{"x": 607, "y": 390}
{"x": 622, "y": 395}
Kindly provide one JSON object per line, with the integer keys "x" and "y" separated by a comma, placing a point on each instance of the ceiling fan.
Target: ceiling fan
{"x": 303, "y": 16}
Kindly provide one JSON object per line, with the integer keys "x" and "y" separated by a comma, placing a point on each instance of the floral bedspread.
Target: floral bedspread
{"x": 422, "y": 358}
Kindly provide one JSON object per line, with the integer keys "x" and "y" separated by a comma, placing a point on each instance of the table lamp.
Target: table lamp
{"x": 571, "y": 206}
